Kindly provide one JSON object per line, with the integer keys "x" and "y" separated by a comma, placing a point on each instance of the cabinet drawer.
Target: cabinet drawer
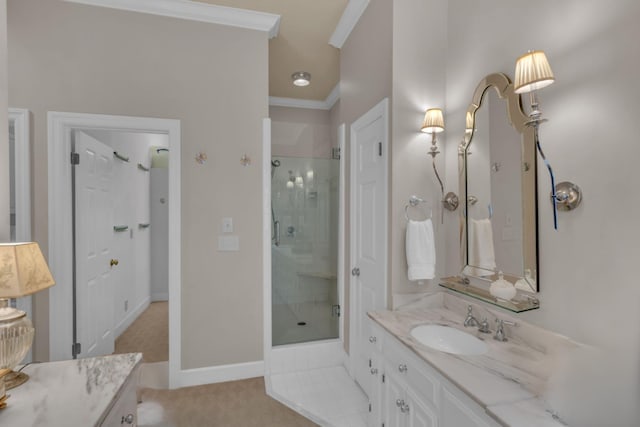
{"x": 412, "y": 369}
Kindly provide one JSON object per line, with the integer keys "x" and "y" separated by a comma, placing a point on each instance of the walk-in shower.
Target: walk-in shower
{"x": 304, "y": 212}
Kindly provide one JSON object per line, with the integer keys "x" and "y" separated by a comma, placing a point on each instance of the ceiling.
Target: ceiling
{"x": 302, "y": 44}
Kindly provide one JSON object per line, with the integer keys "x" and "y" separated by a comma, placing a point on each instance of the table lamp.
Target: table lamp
{"x": 23, "y": 271}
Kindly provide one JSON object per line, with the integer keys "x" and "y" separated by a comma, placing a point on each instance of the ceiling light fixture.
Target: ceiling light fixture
{"x": 301, "y": 78}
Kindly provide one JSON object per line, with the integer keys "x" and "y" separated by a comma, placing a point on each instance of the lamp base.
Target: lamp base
{"x": 13, "y": 379}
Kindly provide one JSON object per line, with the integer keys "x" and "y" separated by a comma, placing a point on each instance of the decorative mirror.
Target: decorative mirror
{"x": 498, "y": 222}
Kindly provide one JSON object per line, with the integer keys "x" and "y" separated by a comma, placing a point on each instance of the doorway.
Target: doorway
{"x": 120, "y": 184}
{"x": 61, "y": 129}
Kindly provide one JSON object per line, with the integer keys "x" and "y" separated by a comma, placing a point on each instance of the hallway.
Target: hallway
{"x": 148, "y": 334}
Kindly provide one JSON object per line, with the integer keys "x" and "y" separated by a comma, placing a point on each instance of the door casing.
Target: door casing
{"x": 60, "y": 125}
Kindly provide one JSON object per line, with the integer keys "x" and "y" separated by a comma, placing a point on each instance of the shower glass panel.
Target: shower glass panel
{"x": 304, "y": 248}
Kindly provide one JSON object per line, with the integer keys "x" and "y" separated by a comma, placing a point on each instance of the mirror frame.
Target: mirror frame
{"x": 518, "y": 120}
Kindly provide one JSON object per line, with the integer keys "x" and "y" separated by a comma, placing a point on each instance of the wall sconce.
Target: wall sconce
{"x": 533, "y": 72}
{"x": 434, "y": 123}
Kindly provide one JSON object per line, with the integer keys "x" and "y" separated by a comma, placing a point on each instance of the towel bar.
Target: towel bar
{"x": 413, "y": 202}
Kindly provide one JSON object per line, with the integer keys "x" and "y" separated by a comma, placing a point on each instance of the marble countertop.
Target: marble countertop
{"x": 70, "y": 393}
{"x": 509, "y": 380}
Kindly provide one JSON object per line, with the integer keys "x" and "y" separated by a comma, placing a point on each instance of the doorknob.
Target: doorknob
{"x": 355, "y": 272}
{"x": 113, "y": 262}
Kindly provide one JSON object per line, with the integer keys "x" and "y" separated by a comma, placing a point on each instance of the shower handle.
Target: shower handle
{"x": 276, "y": 231}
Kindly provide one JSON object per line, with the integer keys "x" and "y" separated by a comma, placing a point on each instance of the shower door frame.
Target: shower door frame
{"x": 267, "y": 257}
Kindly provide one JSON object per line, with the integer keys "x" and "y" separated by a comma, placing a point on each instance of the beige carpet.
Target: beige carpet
{"x": 231, "y": 404}
{"x": 148, "y": 334}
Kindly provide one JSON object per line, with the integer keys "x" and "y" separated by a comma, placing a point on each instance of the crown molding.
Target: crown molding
{"x": 349, "y": 19}
{"x": 196, "y": 11}
{"x": 310, "y": 104}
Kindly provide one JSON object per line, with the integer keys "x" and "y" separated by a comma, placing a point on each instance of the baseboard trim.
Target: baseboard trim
{"x": 218, "y": 374}
{"x": 131, "y": 317}
{"x": 160, "y": 296}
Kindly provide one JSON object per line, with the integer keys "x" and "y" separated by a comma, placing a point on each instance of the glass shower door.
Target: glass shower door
{"x": 304, "y": 202}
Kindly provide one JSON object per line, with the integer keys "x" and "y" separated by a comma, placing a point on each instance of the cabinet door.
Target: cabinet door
{"x": 394, "y": 398}
{"x": 455, "y": 413}
{"x": 420, "y": 415}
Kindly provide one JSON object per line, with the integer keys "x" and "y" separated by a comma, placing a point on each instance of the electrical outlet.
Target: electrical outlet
{"x": 126, "y": 305}
{"x": 227, "y": 225}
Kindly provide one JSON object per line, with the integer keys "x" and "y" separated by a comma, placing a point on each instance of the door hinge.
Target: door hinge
{"x": 335, "y": 310}
{"x": 369, "y": 407}
{"x": 76, "y": 349}
{"x": 75, "y": 158}
{"x": 380, "y": 149}
{"x": 370, "y": 363}
{"x": 382, "y": 377}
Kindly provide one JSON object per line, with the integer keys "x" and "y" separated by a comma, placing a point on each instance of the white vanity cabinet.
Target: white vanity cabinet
{"x": 457, "y": 410}
{"x": 411, "y": 393}
{"x": 403, "y": 406}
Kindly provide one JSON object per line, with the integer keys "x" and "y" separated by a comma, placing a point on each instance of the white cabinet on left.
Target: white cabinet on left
{"x": 96, "y": 391}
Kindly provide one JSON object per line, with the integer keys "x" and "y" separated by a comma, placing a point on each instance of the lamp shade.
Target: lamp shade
{"x": 23, "y": 270}
{"x": 433, "y": 121}
{"x": 533, "y": 72}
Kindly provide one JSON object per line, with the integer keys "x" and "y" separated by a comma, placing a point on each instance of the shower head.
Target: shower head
{"x": 274, "y": 165}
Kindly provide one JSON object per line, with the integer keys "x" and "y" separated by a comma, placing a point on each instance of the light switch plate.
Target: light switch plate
{"x": 228, "y": 243}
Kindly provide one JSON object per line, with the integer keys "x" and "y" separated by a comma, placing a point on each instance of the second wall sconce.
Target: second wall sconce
{"x": 533, "y": 72}
{"x": 434, "y": 123}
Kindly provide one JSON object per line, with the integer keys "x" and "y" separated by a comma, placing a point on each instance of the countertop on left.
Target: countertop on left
{"x": 71, "y": 393}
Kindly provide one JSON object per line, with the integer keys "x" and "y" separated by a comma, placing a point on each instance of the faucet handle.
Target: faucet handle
{"x": 500, "y": 335}
{"x": 484, "y": 326}
{"x": 470, "y": 320}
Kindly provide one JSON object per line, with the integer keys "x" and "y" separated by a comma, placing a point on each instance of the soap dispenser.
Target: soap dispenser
{"x": 502, "y": 289}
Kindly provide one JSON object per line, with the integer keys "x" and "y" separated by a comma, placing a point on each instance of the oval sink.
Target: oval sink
{"x": 449, "y": 340}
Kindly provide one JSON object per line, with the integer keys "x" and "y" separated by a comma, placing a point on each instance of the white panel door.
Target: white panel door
{"x": 368, "y": 232}
{"x": 93, "y": 240}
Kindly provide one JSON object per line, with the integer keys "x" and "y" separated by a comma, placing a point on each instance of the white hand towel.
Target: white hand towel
{"x": 481, "y": 251}
{"x": 421, "y": 250}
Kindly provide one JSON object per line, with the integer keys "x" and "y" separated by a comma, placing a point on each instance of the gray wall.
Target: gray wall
{"x": 588, "y": 276}
{"x": 70, "y": 57}
{"x": 419, "y": 59}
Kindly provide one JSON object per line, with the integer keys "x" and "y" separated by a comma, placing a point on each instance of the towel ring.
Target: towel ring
{"x": 413, "y": 202}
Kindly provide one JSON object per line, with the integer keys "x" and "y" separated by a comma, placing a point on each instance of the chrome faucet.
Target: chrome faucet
{"x": 470, "y": 320}
{"x": 500, "y": 335}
